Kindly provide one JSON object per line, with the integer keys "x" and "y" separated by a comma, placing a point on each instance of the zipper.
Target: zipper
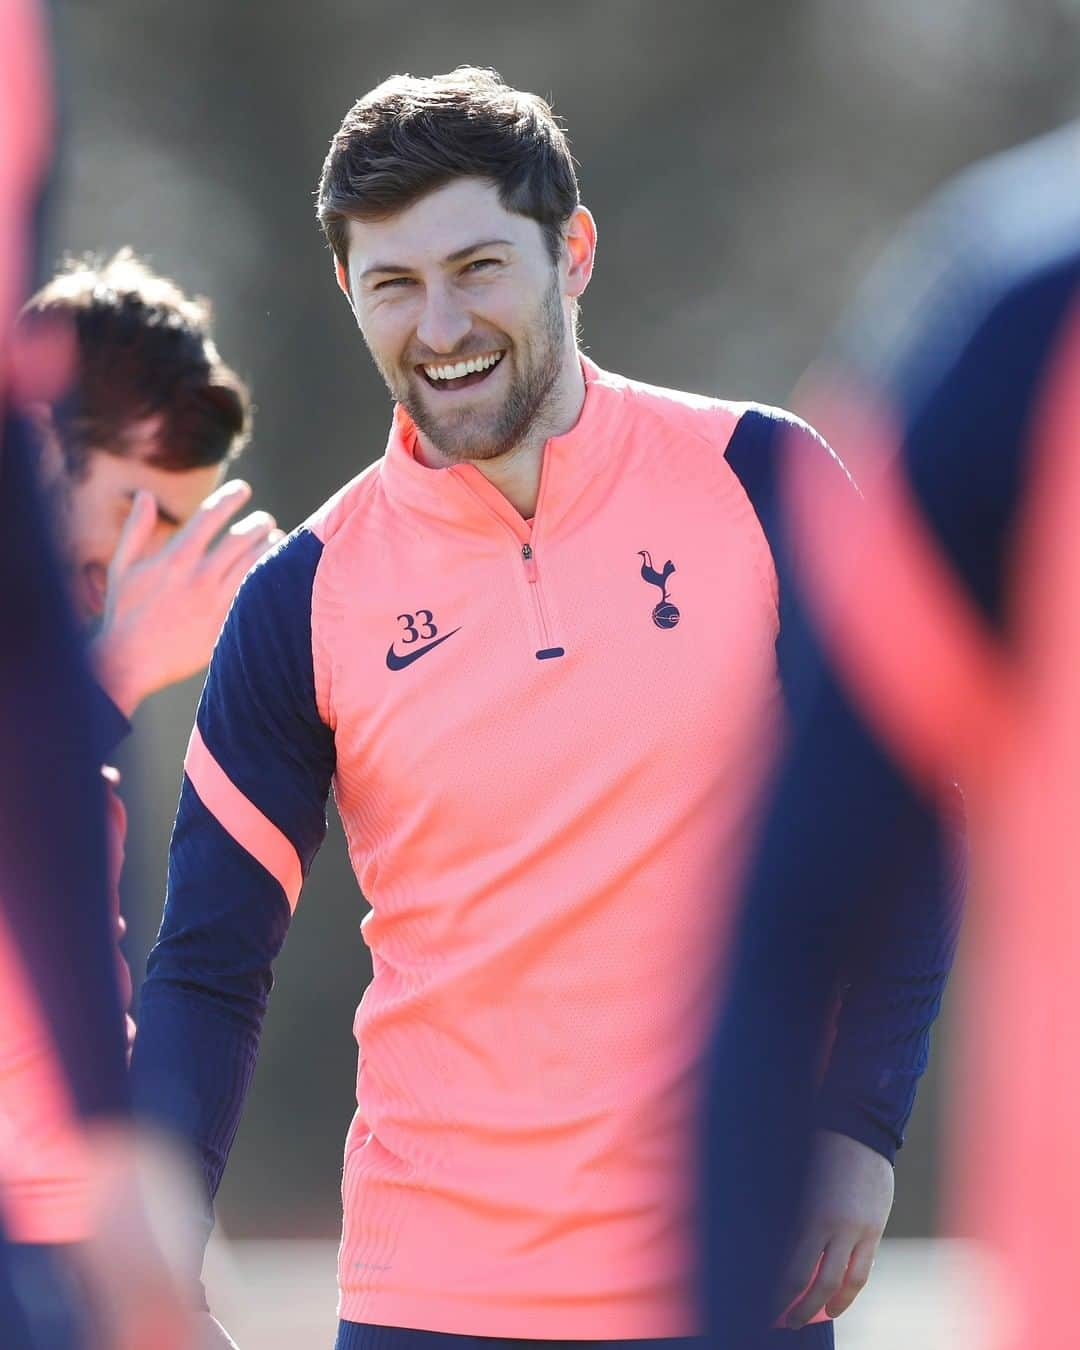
{"x": 528, "y": 558}
{"x": 532, "y": 576}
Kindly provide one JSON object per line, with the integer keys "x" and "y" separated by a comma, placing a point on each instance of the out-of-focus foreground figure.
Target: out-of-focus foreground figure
{"x": 131, "y": 454}
{"x": 57, "y": 959}
{"x": 951, "y": 616}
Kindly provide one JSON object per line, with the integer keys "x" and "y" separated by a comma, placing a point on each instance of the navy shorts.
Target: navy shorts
{"x": 361, "y": 1336}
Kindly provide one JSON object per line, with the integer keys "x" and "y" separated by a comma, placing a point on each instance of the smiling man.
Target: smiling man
{"x": 538, "y": 649}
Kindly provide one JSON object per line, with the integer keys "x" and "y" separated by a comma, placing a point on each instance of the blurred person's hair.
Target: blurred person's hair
{"x": 411, "y": 135}
{"x": 146, "y": 370}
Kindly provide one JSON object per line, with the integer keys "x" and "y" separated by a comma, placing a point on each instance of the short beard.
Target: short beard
{"x": 530, "y": 391}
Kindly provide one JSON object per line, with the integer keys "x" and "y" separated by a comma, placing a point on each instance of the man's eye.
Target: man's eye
{"x": 479, "y": 264}
{"x": 393, "y": 281}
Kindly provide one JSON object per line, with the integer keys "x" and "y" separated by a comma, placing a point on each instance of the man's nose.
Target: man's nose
{"x": 443, "y": 323}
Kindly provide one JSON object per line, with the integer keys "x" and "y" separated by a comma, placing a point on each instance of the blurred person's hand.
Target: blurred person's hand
{"x": 163, "y": 612}
{"x": 849, "y": 1199}
{"x": 137, "y": 1263}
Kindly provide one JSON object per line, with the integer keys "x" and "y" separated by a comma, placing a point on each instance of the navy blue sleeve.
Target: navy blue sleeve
{"x": 53, "y": 870}
{"x": 226, "y": 915}
{"x": 826, "y": 884}
{"x": 886, "y": 1010}
{"x": 844, "y": 820}
{"x": 891, "y": 991}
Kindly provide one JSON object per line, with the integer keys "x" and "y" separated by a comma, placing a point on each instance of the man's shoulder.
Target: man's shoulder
{"x": 765, "y": 425}
{"x": 700, "y": 417}
{"x": 705, "y": 416}
{"x": 764, "y": 438}
{"x": 355, "y": 497}
{"x": 727, "y": 425}
{"x": 277, "y": 590}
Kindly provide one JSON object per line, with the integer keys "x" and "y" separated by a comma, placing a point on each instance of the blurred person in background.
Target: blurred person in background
{"x": 57, "y": 956}
{"x": 537, "y": 647}
{"x": 131, "y": 453}
{"x": 944, "y": 645}
{"x": 133, "y": 458}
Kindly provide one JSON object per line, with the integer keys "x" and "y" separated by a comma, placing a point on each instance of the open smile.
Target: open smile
{"x": 461, "y": 374}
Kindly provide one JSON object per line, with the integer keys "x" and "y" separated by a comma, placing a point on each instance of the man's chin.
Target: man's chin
{"x": 463, "y": 436}
{"x": 461, "y": 445}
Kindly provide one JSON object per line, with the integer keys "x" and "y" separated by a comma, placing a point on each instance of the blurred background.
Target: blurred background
{"x": 745, "y": 160}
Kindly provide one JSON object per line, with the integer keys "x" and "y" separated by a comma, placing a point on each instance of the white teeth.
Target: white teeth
{"x": 469, "y": 367}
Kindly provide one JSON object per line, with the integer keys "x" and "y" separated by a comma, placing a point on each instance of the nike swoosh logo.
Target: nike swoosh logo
{"x": 395, "y": 662}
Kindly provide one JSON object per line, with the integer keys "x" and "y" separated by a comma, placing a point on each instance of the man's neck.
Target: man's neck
{"x": 516, "y": 473}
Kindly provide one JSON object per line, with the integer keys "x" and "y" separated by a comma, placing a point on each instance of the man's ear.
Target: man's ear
{"x": 342, "y": 274}
{"x": 580, "y": 250}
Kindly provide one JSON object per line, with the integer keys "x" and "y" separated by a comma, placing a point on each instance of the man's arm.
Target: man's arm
{"x": 882, "y": 1033}
{"x": 841, "y": 825}
{"x": 252, "y": 815}
{"x": 885, "y": 1012}
{"x": 889, "y": 1004}
{"x": 846, "y": 818}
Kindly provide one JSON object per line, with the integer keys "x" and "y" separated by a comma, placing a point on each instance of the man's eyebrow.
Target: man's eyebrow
{"x": 460, "y": 253}
{"x": 454, "y": 257}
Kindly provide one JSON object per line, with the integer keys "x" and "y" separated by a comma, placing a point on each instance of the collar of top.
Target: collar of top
{"x": 462, "y": 496}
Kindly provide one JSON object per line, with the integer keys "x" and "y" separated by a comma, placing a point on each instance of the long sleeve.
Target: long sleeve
{"x": 882, "y": 1029}
{"x": 889, "y": 1003}
{"x": 53, "y": 873}
{"x": 839, "y": 831}
{"x": 251, "y": 817}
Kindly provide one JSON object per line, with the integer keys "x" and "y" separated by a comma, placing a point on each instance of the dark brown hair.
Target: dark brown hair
{"x": 146, "y": 368}
{"x": 409, "y": 136}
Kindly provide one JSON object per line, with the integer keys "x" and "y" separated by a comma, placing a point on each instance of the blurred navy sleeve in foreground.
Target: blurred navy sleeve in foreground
{"x": 53, "y": 871}
{"x": 952, "y": 335}
{"x": 813, "y": 957}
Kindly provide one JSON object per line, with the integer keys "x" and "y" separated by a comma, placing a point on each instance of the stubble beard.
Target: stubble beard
{"x": 464, "y": 436}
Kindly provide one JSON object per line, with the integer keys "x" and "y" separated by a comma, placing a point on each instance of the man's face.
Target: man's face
{"x": 456, "y": 278}
{"x": 93, "y": 507}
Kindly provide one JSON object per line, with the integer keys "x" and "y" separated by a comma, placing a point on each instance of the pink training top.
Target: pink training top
{"x": 544, "y": 742}
{"x": 545, "y": 845}
{"x": 42, "y": 1157}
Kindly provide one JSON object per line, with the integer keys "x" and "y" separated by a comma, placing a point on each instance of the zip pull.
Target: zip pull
{"x": 529, "y": 561}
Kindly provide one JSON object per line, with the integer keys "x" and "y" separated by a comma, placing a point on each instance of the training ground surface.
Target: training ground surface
{"x": 923, "y": 1295}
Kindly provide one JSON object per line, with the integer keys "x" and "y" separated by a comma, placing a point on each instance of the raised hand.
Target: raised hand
{"x": 164, "y": 610}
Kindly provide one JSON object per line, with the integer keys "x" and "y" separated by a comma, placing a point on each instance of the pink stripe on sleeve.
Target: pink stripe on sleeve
{"x": 241, "y": 819}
